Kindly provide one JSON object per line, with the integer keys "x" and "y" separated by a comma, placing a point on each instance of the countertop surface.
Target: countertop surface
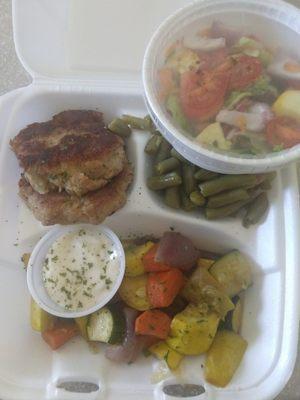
{"x": 13, "y": 75}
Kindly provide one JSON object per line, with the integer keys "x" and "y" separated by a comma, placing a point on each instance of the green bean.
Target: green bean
{"x": 148, "y": 124}
{"x": 134, "y": 122}
{"x": 204, "y": 175}
{"x": 189, "y": 182}
{"x": 179, "y": 157}
{"x": 225, "y": 198}
{"x": 262, "y": 178}
{"x": 164, "y": 181}
{"x": 226, "y": 182}
{"x": 197, "y": 198}
{"x": 163, "y": 152}
{"x": 271, "y": 176}
{"x": 266, "y": 185}
{"x": 186, "y": 203}
{"x": 256, "y": 210}
{"x": 172, "y": 197}
{"x": 153, "y": 145}
{"x": 119, "y": 127}
{"x": 168, "y": 165}
{"x": 225, "y": 211}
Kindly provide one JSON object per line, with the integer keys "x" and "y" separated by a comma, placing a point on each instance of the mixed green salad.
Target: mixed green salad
{"x": 230, "y": 92}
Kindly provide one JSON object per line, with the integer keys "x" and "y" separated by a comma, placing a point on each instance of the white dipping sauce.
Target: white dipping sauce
{"x": 80, "y": 268}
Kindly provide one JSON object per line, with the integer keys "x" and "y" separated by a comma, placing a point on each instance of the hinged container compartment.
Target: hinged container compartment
{"x": 74, "y": 65}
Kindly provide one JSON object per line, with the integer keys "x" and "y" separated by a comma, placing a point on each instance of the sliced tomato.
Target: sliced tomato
{"x": 202, "y": 94}
{"x": 60, "y": 334}
{"x": 244, "y": 72}
{"x": 165, "y": 82}
{"x": 283, "y": 131}
{"x": 211, "y": 60}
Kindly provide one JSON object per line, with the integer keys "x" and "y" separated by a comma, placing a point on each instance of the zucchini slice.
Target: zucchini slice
{"x": 224, "y": 357}
{"x": 233, "y": 272}
{"x": 233, "y": 320}
{"x": 107, "y": 325}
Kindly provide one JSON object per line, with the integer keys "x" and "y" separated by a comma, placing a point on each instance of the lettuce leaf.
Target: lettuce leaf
{"x": 261, "y": 86}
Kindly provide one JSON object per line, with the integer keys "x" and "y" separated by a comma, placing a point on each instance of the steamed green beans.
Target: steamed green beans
{"x": 134, "y": 122}
{"x": 225, "y": 211}
{"x": 256, "y": 210}
{"x": 197, "y": 198}
{"x": 226, "y": 182}
{"x": 167, "y": 165}
{"x": 186, "y": 203}
{"x": 163, "y": 152}
{"x": 179, "y": 157}
{"x": 153, "y": 145}
{"x": 164, "y": 181}
{"x": 189, "y": 182}
{"x": 190, "y": 188}
{"x": 148, "y": 124}
{"x": 172, "y": 197}
{"x": 204, "y": 175}
{"x": 119, "y": 127}
{"x": 228, "y": 197}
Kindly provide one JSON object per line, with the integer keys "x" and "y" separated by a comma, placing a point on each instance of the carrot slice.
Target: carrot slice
{"x": 60, "y": 334}
{"x": 163, "y": 287}
{"x": 149, "y": 262}
{"x": 154, "y": 323}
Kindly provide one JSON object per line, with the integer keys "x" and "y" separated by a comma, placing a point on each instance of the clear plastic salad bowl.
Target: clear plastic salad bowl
{"x": 276, "y": 23}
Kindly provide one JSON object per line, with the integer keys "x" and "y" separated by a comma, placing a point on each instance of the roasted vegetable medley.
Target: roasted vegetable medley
{"x": 187, "y": 187}
{"x": 175, "y": 301}
{"x": 230, "y": 92}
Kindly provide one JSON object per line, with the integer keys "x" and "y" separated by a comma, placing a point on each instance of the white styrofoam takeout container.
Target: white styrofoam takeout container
{"x": 36, "y": 261}
{"x": 65, "y": 78}
{"x": 277, "y": 23}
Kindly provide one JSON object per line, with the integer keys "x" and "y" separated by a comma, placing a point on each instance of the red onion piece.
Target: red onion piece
{"x": 177, "y": 251}
{"x": 218, "y": 29}
{"x": 131, "y": 346}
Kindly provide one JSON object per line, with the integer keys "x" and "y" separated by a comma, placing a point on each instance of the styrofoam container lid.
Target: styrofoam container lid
{"x": 276, "y": 22}
{"x": 76, "y": 40}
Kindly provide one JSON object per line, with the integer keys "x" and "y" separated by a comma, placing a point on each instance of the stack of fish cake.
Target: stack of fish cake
{"x": 75, "y": 169}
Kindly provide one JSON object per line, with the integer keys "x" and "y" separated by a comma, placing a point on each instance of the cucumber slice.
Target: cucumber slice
{"x": 107, "y": 325}
{"x": 233, "y": 272}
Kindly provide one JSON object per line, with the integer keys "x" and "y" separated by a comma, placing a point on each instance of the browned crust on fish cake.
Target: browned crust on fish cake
{"x": 72, "y": 152}
{"x": 62, "y": 208}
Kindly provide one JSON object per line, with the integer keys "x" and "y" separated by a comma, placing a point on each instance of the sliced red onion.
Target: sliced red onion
{"x": 196, "y": 42}
{"x": 177, "y": 251}
{"x": 251, "y": 122}
{"x": 132, "y": 344}
{"x": 233, "y": 133}
{"x": 263, "y": 109}
{"x": 218, "y": 29}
